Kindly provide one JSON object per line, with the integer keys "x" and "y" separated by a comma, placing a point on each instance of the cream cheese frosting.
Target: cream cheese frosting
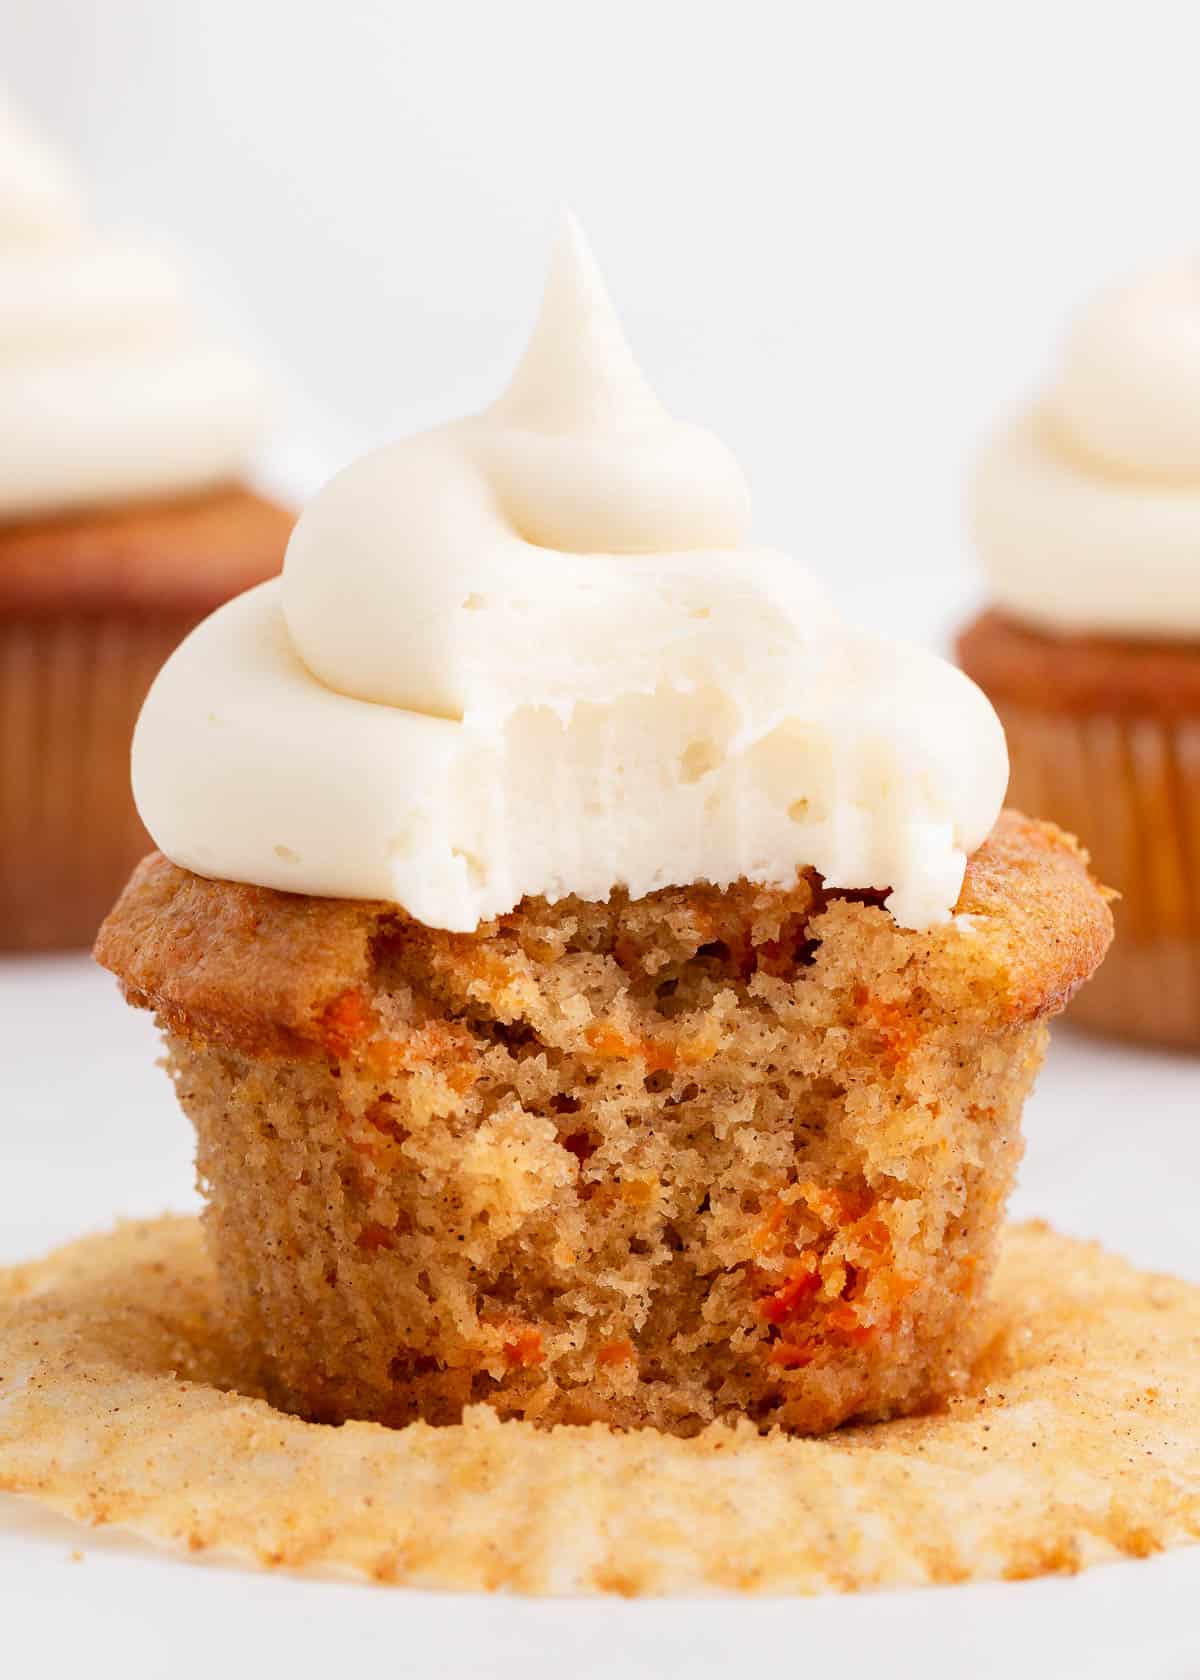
{"x": 107, "y": 391}
{"x": 534, "y": 652}
{"x": 1085, "y": 507}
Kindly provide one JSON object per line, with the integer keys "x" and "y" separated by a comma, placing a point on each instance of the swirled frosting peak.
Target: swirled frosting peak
{"x": 106, "y": 392}
{"x": 534, "y": 652}
{"x": 1086, "y": 506}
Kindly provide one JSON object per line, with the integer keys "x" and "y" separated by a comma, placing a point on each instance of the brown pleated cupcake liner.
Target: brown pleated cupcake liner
{"x": 1129, "y": 787}
{"x": 70, "y": 691}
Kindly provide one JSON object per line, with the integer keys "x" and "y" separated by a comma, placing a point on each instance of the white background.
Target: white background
{"x": 844, "y": 236}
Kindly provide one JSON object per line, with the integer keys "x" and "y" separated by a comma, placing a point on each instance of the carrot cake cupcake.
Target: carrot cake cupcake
{"x": 602, "y": 982}
{"x": 123, "y": 521}
{"x": 1085, "y": 509}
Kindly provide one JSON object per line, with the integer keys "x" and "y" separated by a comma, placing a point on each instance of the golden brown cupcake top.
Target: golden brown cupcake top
{"x": 1077, "y": 673}
{"x": 172, "y": 556}
{"x": 268, "y": 972}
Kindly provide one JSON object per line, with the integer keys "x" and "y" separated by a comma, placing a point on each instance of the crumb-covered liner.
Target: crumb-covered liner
{"x": 1077, "y": 1444}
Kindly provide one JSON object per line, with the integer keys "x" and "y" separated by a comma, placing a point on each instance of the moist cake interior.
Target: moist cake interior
{"x": 706, "y": 1154}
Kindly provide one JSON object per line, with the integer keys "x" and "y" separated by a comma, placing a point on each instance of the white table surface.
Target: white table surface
{"x": 89, "y": 1131}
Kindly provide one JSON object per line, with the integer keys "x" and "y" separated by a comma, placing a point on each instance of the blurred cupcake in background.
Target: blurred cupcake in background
{"x": 124, "y": 520}
{"x": 1085, "y": 509}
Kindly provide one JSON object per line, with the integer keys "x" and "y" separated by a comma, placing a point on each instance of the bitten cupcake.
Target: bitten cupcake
{"x": 123, "y": 521}
{"x": 1086, "y": 512}
{"x": 602, "y": 981}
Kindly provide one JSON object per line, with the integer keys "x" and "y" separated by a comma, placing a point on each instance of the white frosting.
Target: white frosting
{"x": 533, "y": 652}
{"x": 1086, "y": 507}
{"x": 38, "y": 199}
{"x": 106, "y": 391}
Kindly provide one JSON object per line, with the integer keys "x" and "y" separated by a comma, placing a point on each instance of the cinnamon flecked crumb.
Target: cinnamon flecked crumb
{"x": 708, "y": 1154}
